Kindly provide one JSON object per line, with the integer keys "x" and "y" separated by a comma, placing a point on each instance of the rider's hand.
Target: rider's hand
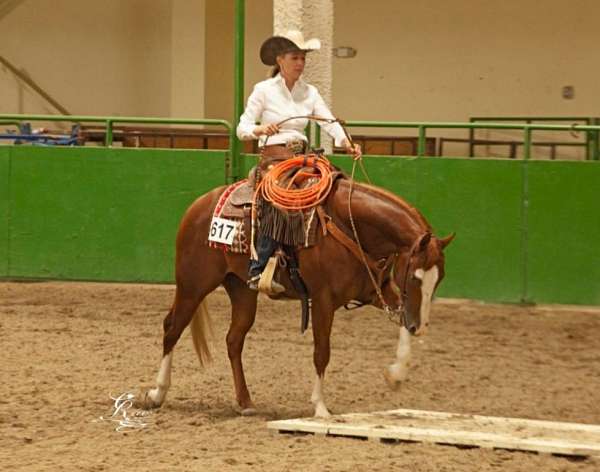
{"x": 269, "y": 130}
{"x": 355, "y": 149}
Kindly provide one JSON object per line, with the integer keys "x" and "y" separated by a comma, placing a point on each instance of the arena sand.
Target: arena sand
{"x": 67, "y": 346}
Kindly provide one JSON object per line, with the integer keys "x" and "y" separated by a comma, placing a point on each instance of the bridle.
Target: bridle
{"x": 399, "y": 314}
{"x": 403, "y": 294}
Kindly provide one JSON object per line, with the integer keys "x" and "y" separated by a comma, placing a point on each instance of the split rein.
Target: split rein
{"x": 396, "y": 315}
{"x": 288, "y": 198}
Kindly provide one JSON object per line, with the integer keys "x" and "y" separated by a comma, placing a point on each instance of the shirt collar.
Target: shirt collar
{"x": 299, "y": 85}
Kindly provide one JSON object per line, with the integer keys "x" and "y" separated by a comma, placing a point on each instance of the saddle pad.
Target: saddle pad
{"x": 240, "y": 242}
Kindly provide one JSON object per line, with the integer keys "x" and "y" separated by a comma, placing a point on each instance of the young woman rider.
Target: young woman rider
{"x": 283, "y": 96}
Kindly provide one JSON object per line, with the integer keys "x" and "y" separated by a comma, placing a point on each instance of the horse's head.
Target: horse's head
{"x": 415, "y": 276}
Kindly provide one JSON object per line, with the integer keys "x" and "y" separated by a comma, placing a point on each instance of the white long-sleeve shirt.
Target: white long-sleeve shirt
{"x": 271, "y": 102}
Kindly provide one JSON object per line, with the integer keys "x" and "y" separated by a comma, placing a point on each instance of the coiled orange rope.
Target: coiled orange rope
{"x": 286, "y": 195}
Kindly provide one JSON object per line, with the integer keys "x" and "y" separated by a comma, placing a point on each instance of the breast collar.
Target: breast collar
{"x": 384, "y": 269}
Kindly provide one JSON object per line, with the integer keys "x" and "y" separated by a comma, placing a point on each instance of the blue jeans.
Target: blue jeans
{"x": 265, "y": 247}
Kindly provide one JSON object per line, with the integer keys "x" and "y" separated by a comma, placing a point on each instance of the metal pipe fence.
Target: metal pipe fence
{"x": 110, "y": 121}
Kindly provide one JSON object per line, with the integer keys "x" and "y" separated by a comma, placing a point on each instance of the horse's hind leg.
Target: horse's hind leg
{"x": 174, "y": 323}
{"x": 243, "y": 312}
{"x": 188, "y": 297}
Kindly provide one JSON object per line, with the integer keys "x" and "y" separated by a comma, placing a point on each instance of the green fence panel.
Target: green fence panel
{"x": 4, "y": 208}
{"x": 563, "y": 232}
{"x": 103, "y": 214}
{"x": 247, "y": 162}
{"x": 481, "y": 202}
{"x": 393, "y": 173}
{"x": 526, "y": 231}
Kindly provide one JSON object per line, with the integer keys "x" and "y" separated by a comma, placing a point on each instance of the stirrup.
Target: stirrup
{"x": 253, "y": 282}
{"x": 266, "y": 284}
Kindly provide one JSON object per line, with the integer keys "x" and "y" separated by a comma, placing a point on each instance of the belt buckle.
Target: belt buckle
{"x": 295, "y": 145}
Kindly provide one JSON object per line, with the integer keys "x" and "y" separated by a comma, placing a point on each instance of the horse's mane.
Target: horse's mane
{"x": 395, "y": 199}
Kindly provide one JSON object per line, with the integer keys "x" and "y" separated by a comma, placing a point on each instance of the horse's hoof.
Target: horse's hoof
{"x": 249, "y": 411}
{"x": 145, "y": 401}
{"x": 322, "y": 412}
{"x": 392, "y": 382}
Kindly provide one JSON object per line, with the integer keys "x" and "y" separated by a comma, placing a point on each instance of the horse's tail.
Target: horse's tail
{"x": 202, "y": 333}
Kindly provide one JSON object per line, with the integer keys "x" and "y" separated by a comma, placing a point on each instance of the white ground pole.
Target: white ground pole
{"x": 315, "y": 19}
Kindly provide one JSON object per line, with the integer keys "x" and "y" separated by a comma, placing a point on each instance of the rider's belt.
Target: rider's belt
{"x": 295, "y": 146}
{"x": 272, "y": 154}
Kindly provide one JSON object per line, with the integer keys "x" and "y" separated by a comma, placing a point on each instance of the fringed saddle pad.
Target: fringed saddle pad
{"x": 292, "y": 228}
{"x": 230, "y": 225}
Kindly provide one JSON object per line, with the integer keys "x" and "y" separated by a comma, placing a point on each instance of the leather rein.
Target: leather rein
{"x": 379, "y": 271}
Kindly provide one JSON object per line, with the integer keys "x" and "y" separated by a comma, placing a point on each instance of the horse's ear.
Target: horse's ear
{"x": 447, "y": 240}
{"x": 424, "y": 241}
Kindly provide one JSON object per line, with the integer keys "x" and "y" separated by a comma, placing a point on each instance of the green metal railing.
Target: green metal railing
{"x": 110, "y": 121}
{"x": 592, "y": 138}
{"x": 527, "y": 128}
{"x": 233, "y": 161}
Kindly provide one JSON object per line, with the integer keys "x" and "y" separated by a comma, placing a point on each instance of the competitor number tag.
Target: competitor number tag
{"x": 222, "y": 230}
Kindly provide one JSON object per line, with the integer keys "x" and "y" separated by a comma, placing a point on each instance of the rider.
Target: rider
{"x": 282, "y": 96}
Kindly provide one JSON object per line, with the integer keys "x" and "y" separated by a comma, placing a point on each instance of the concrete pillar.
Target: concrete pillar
{"x": 315, "y": 19}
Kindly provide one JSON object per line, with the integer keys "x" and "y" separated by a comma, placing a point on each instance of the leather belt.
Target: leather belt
{"x": 296, "y": 146}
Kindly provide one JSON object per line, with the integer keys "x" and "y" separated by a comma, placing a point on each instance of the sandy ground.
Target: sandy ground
{"x": 67, "y": 346}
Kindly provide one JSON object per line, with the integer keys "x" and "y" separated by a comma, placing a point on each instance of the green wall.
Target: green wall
{"x": 102, "y": 214}
{"x": 526, "y": 230}
{"x": 4, "y": 208}
{"x": 563, "y": 232}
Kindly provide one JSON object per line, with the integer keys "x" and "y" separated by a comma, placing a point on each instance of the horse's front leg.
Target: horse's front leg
{"x": 243, "y": 312}
{"x": 322, "y": 319}
{"x": 398, "y": 371}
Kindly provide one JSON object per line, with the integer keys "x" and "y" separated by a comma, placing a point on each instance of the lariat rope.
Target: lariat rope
{"x": 290, "y": 197}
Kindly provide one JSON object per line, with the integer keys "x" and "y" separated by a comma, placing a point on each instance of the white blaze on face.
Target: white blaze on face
{"x": 428, "y": 280}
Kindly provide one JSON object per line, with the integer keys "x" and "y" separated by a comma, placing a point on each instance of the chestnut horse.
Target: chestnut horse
{"x": 391, "y": 232}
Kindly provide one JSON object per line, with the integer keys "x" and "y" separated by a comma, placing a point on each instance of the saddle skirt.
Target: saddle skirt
{"x": 234, "y": 209}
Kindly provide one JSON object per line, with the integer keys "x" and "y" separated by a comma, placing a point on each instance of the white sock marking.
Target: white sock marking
{"x": 163, "y": 380}
{"x": 428, "y": 280}
{"x": 321, "y": 410}
{"x": 398, "y": 371}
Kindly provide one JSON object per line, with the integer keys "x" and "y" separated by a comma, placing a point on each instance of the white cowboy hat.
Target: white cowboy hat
{"x": 291, "y": 40}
